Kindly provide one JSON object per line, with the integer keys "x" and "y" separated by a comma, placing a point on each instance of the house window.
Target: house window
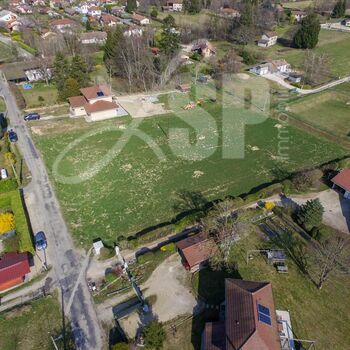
{"x": 264, "y": 314}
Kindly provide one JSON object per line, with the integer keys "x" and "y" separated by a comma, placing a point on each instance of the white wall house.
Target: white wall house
{"x": 7, "y": 16}
{"x": 94, "y": 11}
{"x": 268, "y": 39}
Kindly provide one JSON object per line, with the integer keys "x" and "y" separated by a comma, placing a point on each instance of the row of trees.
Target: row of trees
{"x": 131, "y": 58}
{"x": 70, "y": 76}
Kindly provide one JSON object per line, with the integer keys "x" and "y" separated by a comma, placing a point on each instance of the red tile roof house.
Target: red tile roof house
{"x": 13, "y": 269}
{"x": 195, "y": 251}
{"x": 108, "y": 20}
{"x": 96, "y": 103}
{"x": 250, "y": 319}
{"x": 342, "y": 182}
{"x": 140, "y": 20}
{"x": 63, "y": 24}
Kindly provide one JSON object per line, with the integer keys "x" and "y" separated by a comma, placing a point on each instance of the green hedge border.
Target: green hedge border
{"x": 13, "y": 200}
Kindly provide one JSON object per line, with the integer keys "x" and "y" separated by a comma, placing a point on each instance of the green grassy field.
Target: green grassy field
{"x": 298, "y": 4}
{"x": 317, "y": 315}
{"x": 48, "y": 93}
{"x": 136, "y": 190}
{"x": 335, "y": 44}
{"x": 30, "y": 327}
{"x": 328, "y": 111}
{"x": 5, "y": 53}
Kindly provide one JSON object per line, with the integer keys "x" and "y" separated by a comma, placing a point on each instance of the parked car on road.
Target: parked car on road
{"x": 31, "y": 116}
{"x": 4, "y": 174}
{"x": 40, "y": 241}
{"x": 13, "y": 136}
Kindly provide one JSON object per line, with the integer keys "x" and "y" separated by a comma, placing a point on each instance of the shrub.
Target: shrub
{"x": 306, "y": 180}
{"x": 8, "y": 185}
{"x": 7, "y": 222}
{"x": 154, "y": 335}
{"x": 41, "y": 99}
{"x": 171, "y": 247}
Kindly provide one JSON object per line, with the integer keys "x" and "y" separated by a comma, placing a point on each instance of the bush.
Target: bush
{"x": 7, "y": 222}
{"x": 154, "y": 335}
{"x": 187, "y": 221}
{"x": 306, "y": 180}
{"x": 249, "y": 57}
{"x": 41, "y": 99}
{"x": 287, "y": 187}
{"x": 8, "y": 185}
{"x": 171, "y": 247}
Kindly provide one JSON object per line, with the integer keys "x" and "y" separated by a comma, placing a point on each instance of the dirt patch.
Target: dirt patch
{"x": 18, "y": 312}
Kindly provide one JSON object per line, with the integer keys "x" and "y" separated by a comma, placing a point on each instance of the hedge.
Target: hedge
{"x": 14, "y": 201}
{"x": 8, "y": 185}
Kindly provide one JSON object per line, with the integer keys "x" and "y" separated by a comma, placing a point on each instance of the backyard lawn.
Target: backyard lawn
{"x": 30, "y": 327}
{"x": 335, "y": 44}
{"x": 6, "y": 53}
{"x": 135, "y": 189}
{"x": 40, "y": 95}
{"x": 328, "y": 111}
{"x": 318, "y": 315}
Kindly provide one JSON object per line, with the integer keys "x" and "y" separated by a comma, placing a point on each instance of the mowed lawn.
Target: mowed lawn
{"x": 318, "y": 315}
{"x": 328, "y": 111}
{"x": 30, "y": 327}
{"x": 40, "y": 95}
{"x": 335, "y": 44}
{"x": 136, "y": 190}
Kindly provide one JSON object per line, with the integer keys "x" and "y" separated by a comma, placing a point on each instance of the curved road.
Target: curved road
{"x": 68, "y": 264}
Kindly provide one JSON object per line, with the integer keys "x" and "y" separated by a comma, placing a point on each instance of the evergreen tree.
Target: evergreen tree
{"x": 192, "y": 6}
{"x": 154, "y": 335}
{"x": 88, "y": 26}
{"x": 113, "y": 38}
{"x": 131, "y": 6}
{"x": 154, "y": 13}
{"x": 79, "y": 71}
{"x": 71, "y": 88}
{"x": 307, "y": 36}
{"x": 310, "y": 214}
{"x": 61, "y": 69}
{"x": 170, "y": 39}
{"x": 339, "y": 9}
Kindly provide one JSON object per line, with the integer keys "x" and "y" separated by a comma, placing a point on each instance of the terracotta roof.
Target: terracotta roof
{"x": 229, "y": 10}
{"x": 343, "y": 179}
{"x": 77, "y": 101}
{"x": 13, "y": 266}
{"x": 109, "y": 18}
{"x": 196, "y": 249}
{"x": 62, "y": 22}
{"x": 93, "y": 92}
{"x": 100, "y": 106}
{"x": 93, "y": 35}
{"x": 214, "y": 336}
{"x": 137, "y": 17}
{"x": 243, "y": 328}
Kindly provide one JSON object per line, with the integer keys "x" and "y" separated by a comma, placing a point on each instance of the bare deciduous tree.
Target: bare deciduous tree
{"x": 316, "y": 67}
{"x": 332, "y": 257}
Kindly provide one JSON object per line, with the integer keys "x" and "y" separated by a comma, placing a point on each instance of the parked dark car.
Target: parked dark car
{"x": 31, "y": 116}
{"x": 13, "y": 136}
{"x": 40, "y": 241}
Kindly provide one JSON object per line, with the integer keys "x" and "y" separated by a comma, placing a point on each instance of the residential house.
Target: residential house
{"x": 268, "y": 39}
{"x": 230, "y": 12}
{"x": 173, "y": 6}
{"x": 133, "y": 31}
{"x": 96, "y": 103}
{"x": 93, "y": 38}
{"x": 70, "y": 11}
{"x": 108, "y": 20}
{"x": 94, "y": 11}
{"x": 249, "y": 322}
{"x": 24, "y": 9}
{"x": 299, "y": 15}
{"x": 204, "y": 48}
{"x": 117, "y": 10}
{"x": 30, "y": 70}
{"x": 62, "y": 25}
{"x": 7, "y": 16}
{"x": 196, "y": 250}
{"x": 13, "y": 269}
{"x": 346, "y": 22}
{"x": 341, "y": 182}
{"x": 83, "y": 8}
{"x": 273, "y": 66}
{"x": 140, "y": 20}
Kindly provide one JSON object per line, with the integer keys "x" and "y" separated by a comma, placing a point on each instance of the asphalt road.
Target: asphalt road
{"x": 68, "y": 264}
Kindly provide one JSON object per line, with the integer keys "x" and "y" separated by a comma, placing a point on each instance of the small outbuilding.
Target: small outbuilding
{"x": 97, "y": 246}
{"x": 195, "y": 251}
{"x": 341, "y": 182}
{"x": 184, "y": 87}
